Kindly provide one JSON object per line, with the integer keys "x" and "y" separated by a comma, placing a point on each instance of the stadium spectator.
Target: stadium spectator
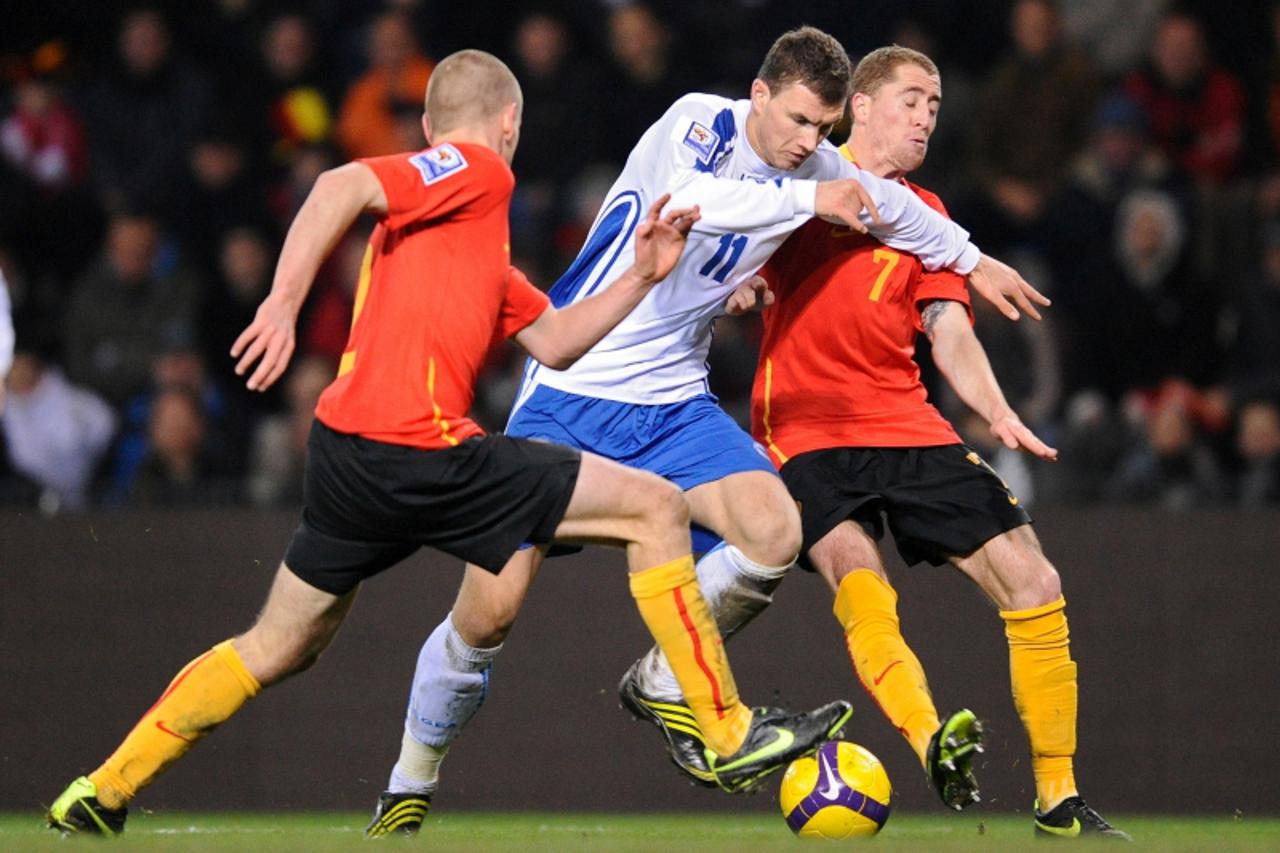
{"x": 55, "y": 433}
{"x": 225, "y": 423}
{"x": 143, "y": 114}
{"x": 125, "y": 312}
{"x": 1258, "y": 444}
{"x": 42, "y": 136}
{"x": 1031, "y": 119}
{"x": 178, "y": 469}
{"x": 397, "y": 75}
{"x": 1195, "y": 108}
{"x": 1173, "y": 466}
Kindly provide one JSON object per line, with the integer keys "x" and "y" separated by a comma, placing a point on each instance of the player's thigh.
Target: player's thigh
{"x": 751, "y": 510}
{"x": 488, "y": 603}
{"x": 845, "y": 548}
{"x": 614, "y": 503}
{"x": 296, "y": 624}
{"x": 1013, "y": 570}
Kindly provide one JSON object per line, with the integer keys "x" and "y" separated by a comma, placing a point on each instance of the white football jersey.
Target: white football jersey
{"x": 698, "y": 152}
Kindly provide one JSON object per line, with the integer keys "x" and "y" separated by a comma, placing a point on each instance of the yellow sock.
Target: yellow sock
{"x": 677, "y": 615}
{"x": 867, "y": 608}
{"x": 204, "y": 694}
{"x": 1043, "y": 676}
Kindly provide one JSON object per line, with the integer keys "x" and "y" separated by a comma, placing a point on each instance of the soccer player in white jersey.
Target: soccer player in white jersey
{"x": 759, "y": 168}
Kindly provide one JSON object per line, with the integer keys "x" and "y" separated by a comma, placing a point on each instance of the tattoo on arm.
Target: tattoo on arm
{"x": 932, "y": 313}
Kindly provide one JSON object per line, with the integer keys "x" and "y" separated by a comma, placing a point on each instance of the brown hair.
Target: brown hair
{"x": 880, "y": 65}
{"x": 467, "y": 86}
{"x": 811, "y": 57}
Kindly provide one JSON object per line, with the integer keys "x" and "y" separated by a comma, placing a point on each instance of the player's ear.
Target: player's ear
{"x": 860, "y": 104}
{"x": 759, "y": 93}
{"x": 510, "y": 119}
{"x": 426, "y": 128}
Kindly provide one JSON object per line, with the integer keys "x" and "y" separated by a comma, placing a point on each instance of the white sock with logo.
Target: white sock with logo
{"x": 449, "y": 686}
{"x": 737, "y": 589}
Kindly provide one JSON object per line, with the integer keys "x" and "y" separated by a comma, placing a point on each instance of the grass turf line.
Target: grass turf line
{"x": 531, "y": 832}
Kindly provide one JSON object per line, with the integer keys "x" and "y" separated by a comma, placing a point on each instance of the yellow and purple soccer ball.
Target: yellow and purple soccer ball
{"x": 841, "y": 791}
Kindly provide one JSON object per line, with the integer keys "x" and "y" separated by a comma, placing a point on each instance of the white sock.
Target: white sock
{"x": 737, "y": 589}
{"x": 449, "y": 686}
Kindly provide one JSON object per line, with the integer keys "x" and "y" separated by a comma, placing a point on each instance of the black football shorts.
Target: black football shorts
{"x": 939, "y": 501}
{"x": 367, "y": 505}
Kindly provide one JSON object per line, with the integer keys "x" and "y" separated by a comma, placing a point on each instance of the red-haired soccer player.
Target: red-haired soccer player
{"x": 394, "y": 463}
{"x": 839, "y": 405}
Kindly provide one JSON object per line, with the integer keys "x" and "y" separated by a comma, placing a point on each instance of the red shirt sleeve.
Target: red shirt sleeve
{"x": 943, "y": 284}
{"x": 522, "y": 304}
{"x": 447, "y": 180}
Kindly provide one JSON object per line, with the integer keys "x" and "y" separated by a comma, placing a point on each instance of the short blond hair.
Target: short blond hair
{"x": 469, "y": 86}
{"x": 880, "y": 65}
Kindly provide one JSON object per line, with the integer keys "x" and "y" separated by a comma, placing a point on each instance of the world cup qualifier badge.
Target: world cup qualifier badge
{"x": 439, "y": 162}
{"x": 702, "y": 140}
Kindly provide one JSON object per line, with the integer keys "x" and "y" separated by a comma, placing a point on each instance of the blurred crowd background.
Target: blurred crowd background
{"x": 1123, "y": 154}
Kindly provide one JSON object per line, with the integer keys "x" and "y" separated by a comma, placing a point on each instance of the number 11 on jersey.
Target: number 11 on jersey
{"x": 731, "y": 244}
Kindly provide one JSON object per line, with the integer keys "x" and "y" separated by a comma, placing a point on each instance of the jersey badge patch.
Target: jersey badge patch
{"x": 437, "y": 163}
{"x": 702, "y": 140}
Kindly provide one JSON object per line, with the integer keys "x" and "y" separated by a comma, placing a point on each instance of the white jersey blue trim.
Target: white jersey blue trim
{"x": 698, "y": 152}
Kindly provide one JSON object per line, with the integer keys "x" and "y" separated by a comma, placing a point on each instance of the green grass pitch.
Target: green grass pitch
{"x": 608, "y": 832}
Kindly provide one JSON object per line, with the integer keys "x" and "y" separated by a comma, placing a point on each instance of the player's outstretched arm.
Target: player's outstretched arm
{"x": 338, "y": 197}
{"x": 963, "y": 362}
{"x": 559, "y": 337}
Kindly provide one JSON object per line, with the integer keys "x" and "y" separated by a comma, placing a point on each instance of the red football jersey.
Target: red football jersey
{"x": 836, "y": 366}
{"x": 436, "y": 288}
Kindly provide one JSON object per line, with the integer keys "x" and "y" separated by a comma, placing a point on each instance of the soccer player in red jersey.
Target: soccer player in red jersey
{"x": 394, "y": 463}
{"x": 839, "y": 405}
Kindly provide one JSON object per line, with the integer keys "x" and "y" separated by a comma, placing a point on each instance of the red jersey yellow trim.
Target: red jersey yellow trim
{"x": 347, "y": 363}
{"x": 436, "y": 414}
{"x": 768, "y": 430}
{"x": 362, "y": 283}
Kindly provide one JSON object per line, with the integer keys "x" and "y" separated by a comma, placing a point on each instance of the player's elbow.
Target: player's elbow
{"x": 558, "y": 361}
{"x": 556, "y": 353}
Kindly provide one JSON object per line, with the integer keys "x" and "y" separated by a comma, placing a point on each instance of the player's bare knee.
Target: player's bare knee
{"x": 1041, "y": 586}
{"x": 665, "y": 507}
{"x": 486, "y": 627}
{"x": 772, "y": 538}
{"x": 272, "y": 659}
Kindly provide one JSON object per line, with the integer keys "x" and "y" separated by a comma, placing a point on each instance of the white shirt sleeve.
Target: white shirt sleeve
{"x": 6, "y": 330}
{"x": 911, "y": 226}
{"x": 682, "y": 154}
